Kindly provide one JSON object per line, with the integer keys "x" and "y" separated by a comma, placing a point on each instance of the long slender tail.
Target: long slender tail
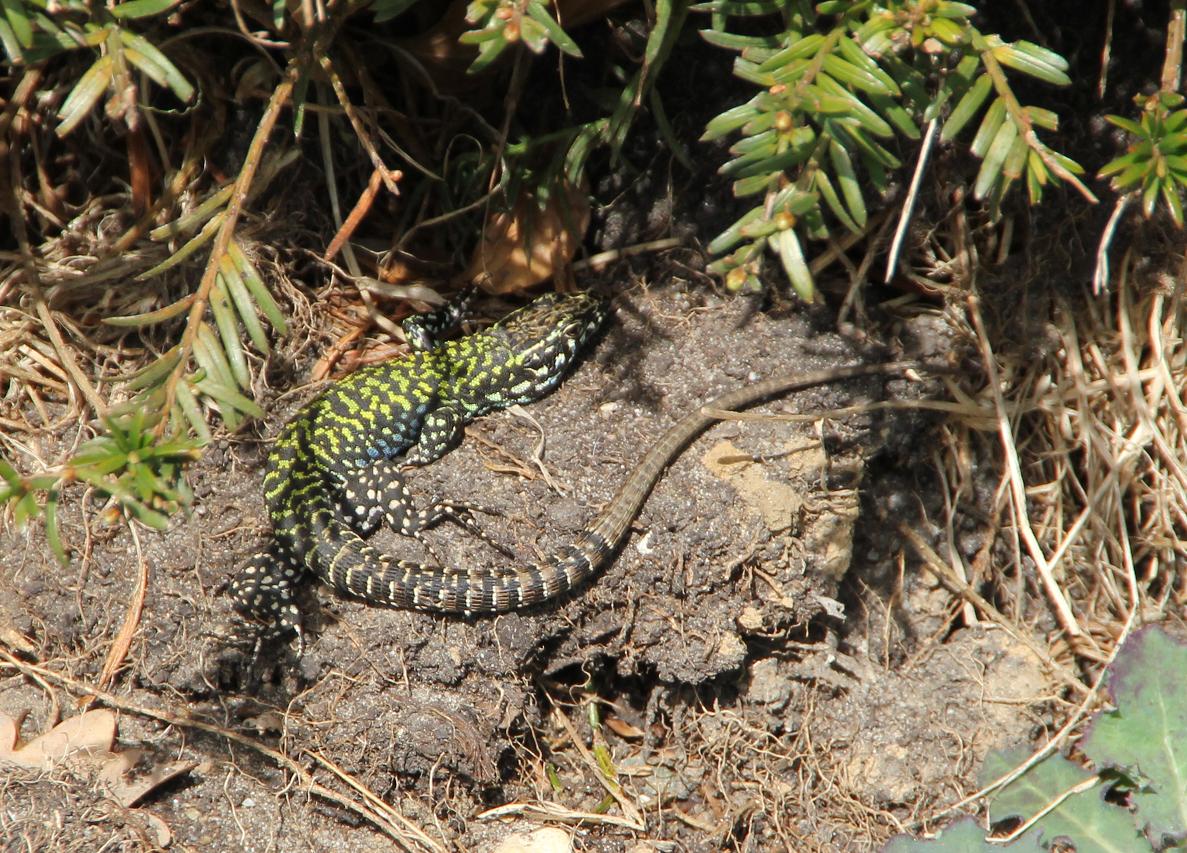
{"x": 351, "y": 565}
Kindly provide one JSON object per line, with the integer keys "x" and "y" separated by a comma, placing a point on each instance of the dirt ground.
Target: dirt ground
{"x": 757, "y": 670}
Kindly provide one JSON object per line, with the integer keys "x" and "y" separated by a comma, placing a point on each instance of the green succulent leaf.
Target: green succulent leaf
{"x": 149, "y": 59}
{"x": 555, "y": 33}
{"x": 963, "y": 836}
{"x": 1145, "y": 736}
{"x": 85, "y": 94}
{"x": 1082, "y": 814}
{"x": 791, "y": 255}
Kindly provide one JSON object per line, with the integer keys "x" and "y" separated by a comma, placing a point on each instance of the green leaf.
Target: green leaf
{"x": 869, "y": 119}
{"x": 1086, "y": 818}
{"x": 26, "y": 508}
{"x": 533, "y": 36}
{"x": 1150, "y": 196}
{"x": 94, "y": 465}
{"x": 1015, "y": 158}
{"x": 192, "y": 411}
{"x": 237, "y": 290}
{"x": 1177, "y": 163}
{"x": 787, "y": 244}
{"x": 990, "y": 124}
{"x": 1027, "y": 63}
{"x": 967, "y": 107}
{"x": 228, "y": 330}
{"x": 854, "y": 138}
{"x": 762, "y": 144}
{"x": 1170, "y": 195}
{"x": 52, "y": 534}
{"x": 147, "y": 517}
{"x": 1126, "y": 124}
{"x": 897, "y": 116}
{"x": 12, "y": 45}
{"x": 955, "y": 11}
{"x": 141, "y": 8}
{"x": 194, "y": 244}
{"x": 852, "y": 51}
{"x": 152, "y": 318}
{"x": 156, "y": 372}
{"x": 948, "y": 31}
{"x": 1039, "y": 117}
{"x": 1146, "y": 734}
{"x": 186, "y": 223}
{"x": 729, "y": 121}
{"x": 858, "y": 78}
{"x": 962, "y": 836}
{"x": 1175, "y": 121}
{"x": 731, "y": 236}
{"x": 739, "y": 8}
{"x": 480, "y": 36}
{"x": 145, "y": 56}
{"x": 991, "y": 167}
{"x": 209, "y": 355}
{"x": 556, "y": 33}
{"x": 233, "y": 401}
{"x": 791, "y": 199}
{"x": 730, "y": 41}
{"x": 1066, "y": 162}
{"x": 258, "y": 290}
{"x": 828, "y": 192}
{"x": 803, "y": 48}
{"x": 18, "y": 20}
{"x": 769, "y": 160}
{"x": 1036, "y": 176}
{"x": 85, "y": 94}
{"x": 818, "y": 101}
{"x": 8, "y": 473}
{"x": 847, "y": 178}
{"x": 1041, "y": 54}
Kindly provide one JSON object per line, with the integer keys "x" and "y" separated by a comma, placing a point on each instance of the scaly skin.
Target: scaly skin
{"x": 329, "y": 480}
{"x": 331, "y": 476}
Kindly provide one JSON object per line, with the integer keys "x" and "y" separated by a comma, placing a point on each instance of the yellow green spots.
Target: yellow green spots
{"x": 411, "y": 410}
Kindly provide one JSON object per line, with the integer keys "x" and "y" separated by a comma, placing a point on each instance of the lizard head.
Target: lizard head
{"x": 543, "y": 337}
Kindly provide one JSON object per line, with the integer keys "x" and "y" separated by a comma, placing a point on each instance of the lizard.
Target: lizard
{"x": 332, "y": 474}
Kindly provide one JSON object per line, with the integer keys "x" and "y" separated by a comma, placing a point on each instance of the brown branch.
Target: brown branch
{"x": 1025, "y": 128}
{"x": 1172, "y": 64}
{"x": 315, "y": 44}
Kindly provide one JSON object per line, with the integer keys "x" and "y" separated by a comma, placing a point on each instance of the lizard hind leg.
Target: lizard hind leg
{"x": 381, "y": 491}
{"x": 265, "y": 592}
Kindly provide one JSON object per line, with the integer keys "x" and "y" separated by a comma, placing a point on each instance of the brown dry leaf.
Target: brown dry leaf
{"x": 129, "y": 790}
{"x": 9, "y": 731}
{"x": 623, "y": 729}
{"x": 529, "y": 244}
{"x": 89, "y": 733}
{"x": 268, "y": 722}
{"x": 14, "y": 639}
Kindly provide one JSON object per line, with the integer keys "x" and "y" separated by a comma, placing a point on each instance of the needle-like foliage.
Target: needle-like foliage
{"x": 841, "y": 88}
